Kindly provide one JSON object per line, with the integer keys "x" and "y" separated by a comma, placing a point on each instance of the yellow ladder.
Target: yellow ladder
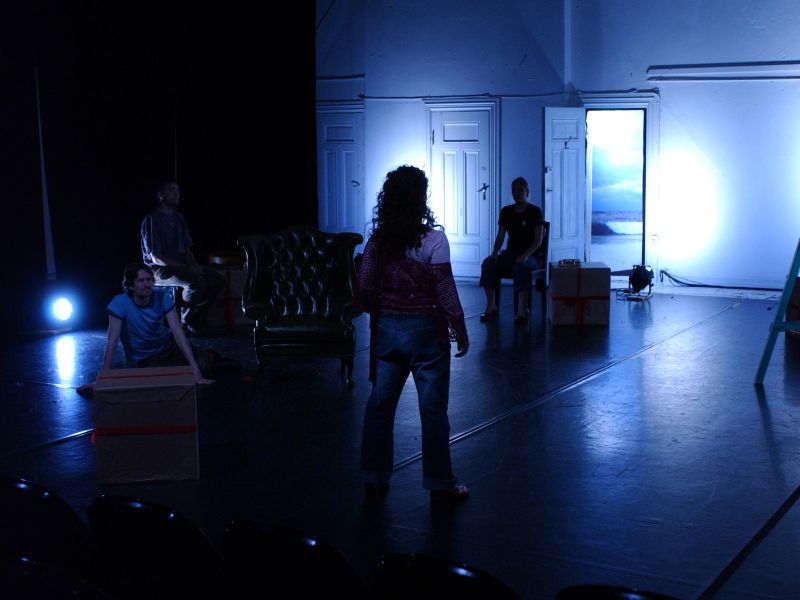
{"x": 780, "y": 324}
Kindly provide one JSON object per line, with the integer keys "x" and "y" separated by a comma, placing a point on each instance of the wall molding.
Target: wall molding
{"x": 725, "y": 71}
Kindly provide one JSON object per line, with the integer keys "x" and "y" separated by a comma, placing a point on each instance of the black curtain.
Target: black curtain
{"x": 132, "y": 94}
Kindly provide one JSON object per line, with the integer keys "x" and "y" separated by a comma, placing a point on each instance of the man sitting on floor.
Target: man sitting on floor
{"x": 145, "y": 321}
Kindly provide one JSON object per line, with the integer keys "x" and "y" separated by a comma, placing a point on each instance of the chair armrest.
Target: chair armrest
{"x": 257, "y": 311}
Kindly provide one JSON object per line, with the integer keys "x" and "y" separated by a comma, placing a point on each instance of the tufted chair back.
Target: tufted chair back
{"x": 299, "y": 290}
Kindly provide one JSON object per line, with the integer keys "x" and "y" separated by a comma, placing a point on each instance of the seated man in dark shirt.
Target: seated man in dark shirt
{"x": 523, "y": 222}
{"x": 167, "y": 250}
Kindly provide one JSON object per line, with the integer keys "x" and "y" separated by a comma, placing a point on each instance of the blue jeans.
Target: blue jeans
{"x": 408, "y": 344}
{"x": 506, "y": 265}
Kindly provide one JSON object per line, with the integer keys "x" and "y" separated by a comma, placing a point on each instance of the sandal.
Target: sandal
{"x": 489, "y": 315}
{"x": 455, "y": 493}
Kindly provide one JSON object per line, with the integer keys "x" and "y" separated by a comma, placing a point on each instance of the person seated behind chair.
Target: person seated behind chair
{"x": 145, "y": 321}
{"x": 523, "y": 223}
{"x": 167, "y": 250}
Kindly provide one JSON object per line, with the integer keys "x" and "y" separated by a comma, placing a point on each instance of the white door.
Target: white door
{"x": 462, "y": 188}
{"x": 565, "y": 181}
{"x": 340, "y": 170}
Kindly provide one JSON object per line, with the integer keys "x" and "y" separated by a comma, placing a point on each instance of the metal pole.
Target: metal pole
{"x": 48, "y": 229}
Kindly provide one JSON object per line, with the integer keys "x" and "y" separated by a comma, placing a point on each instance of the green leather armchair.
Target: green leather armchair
{"x": 299, "y": 290}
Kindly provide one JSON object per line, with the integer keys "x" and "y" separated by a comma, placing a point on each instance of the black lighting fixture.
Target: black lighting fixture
{"x": 641, "y": 277}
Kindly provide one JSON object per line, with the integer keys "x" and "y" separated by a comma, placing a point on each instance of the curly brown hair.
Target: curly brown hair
{"x": 402, "y": 215}
{"x": 131, "y": 272}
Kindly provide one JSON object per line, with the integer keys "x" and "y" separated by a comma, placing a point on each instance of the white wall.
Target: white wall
{"x": 463, "y": 47}
{"x": 728, "y": 211}
{"x": 422, "y": 49}
{"x": 395, "y": 135}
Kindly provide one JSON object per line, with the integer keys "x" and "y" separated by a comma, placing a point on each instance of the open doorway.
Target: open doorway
{"x": 615, "y": 168}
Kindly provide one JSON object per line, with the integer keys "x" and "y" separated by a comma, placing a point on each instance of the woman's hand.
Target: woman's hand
{"x": 463, "y": 348}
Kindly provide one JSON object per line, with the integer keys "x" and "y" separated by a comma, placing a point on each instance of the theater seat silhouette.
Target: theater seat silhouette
{"x": 26, "y": 578}
{"x": 608, "y": 592}
{"x": 149, "y": 550}
{"x": 39, "y": 525}
{"x": 275, "y": 558}
{"x": 409, "y": 575}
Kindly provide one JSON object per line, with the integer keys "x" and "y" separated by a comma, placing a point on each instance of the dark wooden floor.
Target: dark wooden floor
{"x": 640, "y": 454}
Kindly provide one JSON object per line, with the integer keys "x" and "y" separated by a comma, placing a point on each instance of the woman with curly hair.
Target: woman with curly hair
{"x": 405, "y": 282}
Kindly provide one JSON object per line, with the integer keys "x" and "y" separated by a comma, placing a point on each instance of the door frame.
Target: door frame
{"x": 323, "y": 108}
{"x": 556, "y": 131}
{"x": 651, "y": 103}
{"x": 492, "y": 106}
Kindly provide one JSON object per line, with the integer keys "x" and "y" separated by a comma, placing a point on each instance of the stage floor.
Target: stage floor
{"x": 638, "y": 454}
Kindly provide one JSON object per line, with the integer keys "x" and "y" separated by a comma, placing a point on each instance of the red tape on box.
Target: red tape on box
{"x": 146, "y": 375}
{"x": 580, "y": 303}
{"x": 579, "y": 300}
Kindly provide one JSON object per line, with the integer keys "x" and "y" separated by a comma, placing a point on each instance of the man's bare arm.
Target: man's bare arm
{"x": 114, "y": 329}
{"x": 180, "y": 338}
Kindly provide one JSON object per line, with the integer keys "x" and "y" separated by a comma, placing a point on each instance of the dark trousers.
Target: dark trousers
{"x": 199, "y": 290}
{"x": 506, "y": 265}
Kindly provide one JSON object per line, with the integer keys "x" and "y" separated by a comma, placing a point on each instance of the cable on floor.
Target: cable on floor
{"x": 628, "y": 294}
{"x": 687, "y": 283}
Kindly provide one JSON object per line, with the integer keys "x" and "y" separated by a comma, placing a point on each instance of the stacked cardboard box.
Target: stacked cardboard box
{"x": 579, "y": 294}
{"x": 226, "y": 311}
{"x": 145, "y": 425}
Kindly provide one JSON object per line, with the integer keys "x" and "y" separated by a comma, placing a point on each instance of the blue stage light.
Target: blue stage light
{"x": 62, "y": 309}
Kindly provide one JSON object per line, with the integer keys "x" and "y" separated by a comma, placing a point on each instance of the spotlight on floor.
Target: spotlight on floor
{"x": 62, "y": 309}
{"x": 59, "y": 311}
{"x": 641, "y": 277}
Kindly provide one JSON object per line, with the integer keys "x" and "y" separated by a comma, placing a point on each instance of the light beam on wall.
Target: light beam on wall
{"x": 689, "y": 206}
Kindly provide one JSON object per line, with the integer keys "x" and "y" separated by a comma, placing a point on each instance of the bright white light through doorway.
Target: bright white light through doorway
{"x": 615, "y": 165}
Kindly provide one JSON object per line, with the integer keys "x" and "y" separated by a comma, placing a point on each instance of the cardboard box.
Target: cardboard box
{"x": 145, "y": 425}
{"x": 579, "y": 295}
{"x": 226, "y": 310}
{"x": 793, "y": 310}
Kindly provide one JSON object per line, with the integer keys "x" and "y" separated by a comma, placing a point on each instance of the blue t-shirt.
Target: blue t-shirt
{"x": 144, "y": 328}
